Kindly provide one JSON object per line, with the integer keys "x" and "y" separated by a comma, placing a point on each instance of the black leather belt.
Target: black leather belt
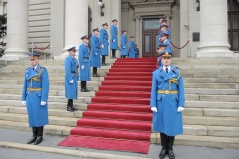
{"x": 73, "y": 71}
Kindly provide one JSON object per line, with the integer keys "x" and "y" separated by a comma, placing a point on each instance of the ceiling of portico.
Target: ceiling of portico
{"x": 149, "y": 7}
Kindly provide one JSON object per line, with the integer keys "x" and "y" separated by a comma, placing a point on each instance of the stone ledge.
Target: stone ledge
{"x": 76, "y": 153}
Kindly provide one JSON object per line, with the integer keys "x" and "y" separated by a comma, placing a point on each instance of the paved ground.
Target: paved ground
{"x": 181, "y": 152}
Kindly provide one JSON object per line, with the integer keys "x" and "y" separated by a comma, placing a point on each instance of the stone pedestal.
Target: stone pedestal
{"x": 17, "y": 29}
{"x": 76, "y": 23}
{"x": 213, "y": 29}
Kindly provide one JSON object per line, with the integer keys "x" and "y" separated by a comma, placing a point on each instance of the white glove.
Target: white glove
{"x": 154, "y": 109}
{"x": 180, "y": 109}
{"x": 71, "y": 81}
{"x": 23, "y": 102}
{"x": 102, "y": 46}
{"x": 43, "y": 103}
{"x": 114, "y": 40}
{"x": 82, "y": 67}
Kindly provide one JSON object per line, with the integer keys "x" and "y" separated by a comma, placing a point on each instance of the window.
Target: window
{"x": 233, "y": 24}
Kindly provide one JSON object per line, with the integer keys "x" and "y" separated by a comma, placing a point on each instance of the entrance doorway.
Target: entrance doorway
{"x": 150, "y": 37}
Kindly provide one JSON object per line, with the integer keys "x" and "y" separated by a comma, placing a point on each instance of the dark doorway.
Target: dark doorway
{"x": 150, "y": 37}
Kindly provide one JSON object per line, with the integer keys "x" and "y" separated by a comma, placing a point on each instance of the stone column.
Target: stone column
{"x": 115, "y": 12}
{"x": 213, "y": 29}
{"x": 57, "y": 26}
{"x": 137, "y": 39}
{"x": 76, "y": 22}
{"x": 17, "y": 29}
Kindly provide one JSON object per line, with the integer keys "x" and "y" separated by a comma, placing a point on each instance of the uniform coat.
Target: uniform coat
{"x": 83, "y": 57}
{"x": 71, "y": 73}
{"x": 124, "y": 46}
{"x": 167, "y": 120}
{"x": 114, "y": 37}
{"x": 95, "y": 51}
{"x": 167, "y": 42}
{"x": 104, "y": 40}
{"x": 38, "y": 78}
{"x": 131, "y": 49}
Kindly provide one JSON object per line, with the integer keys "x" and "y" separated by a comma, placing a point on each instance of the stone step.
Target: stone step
{"x": 185, "y": 70}
{"x": 52, "y": 87}
{"x": 51, "y": 112}
{"x": 211, "y": 121}
{"x": 59, "y": 109}
{"x": 53, "y": 120}
{"x": 59, "y": 92}
{"x": 186, "y": 80}
{"x": 189, "y": 97}
{"x": 189, "y": 140}
{"x": 195, "y": 130}
{"x": 50, "y": 98}
{"x": 192, "y": 116}
{"x": 98, "y": 83}
{"x": 203, "y": 141}
{"x": 212, "y": 104}
{"x": 231, "y": 76}
{"x": 51, "y": 105}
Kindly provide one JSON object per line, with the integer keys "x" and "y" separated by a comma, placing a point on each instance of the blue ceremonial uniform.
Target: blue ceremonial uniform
{"x": 35, "y": 90}
{"x": 114, "y": 37}
{"x": 95, "y": 51}
{"x": 131, "y": 49}
{"x": 167, "y": 120}
{"x": 104, "y": 40}
{"x": 124, "y": 46}
{"x": 71, "y": 73}
{"x": 83, "y": 57}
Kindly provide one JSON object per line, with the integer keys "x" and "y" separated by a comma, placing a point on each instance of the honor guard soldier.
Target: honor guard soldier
{"x": 114, "y": 37}
{"x": 161, "y": 18}
{"x": 160, "y": 49}
{"x": 34, "y": 96}
{"x": 167, "y": 103}
{"x": 163, "y": 39}
{"x": 124, "y": 45}
{"x": 95, "y": 52}
{"x": 71, "y": 78}
{"x": 131, "y": 47}
{"x": 83, "y": 57}
{"x": 104, "y": 42}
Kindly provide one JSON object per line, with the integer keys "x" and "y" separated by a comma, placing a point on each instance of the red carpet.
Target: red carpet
{"x": 119, "y": 117}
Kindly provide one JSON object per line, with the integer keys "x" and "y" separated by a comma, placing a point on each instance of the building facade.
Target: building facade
{"x": 211, "y": 27}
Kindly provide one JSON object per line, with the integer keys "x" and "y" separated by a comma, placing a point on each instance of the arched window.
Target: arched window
{"x": 233, "y": 24}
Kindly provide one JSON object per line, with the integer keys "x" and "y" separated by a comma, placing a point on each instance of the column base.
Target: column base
{"x": 15, "y": 54}
{"x": 214, "y": 50}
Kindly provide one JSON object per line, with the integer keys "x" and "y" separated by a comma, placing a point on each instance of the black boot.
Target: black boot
{"x": 170, "y": 147}
{"x": 39, "y": 135}
{"x": 83, "y": 87}
{"x": 70, "y": 107}
{"x": 163, "y": 152}
{"x": 103, "y": 60}
{"x": 95, "y": 72}
{"x": 34, "y": 137}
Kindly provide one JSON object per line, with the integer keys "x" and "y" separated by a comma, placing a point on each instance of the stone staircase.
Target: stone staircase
{"x": 211, "y": 117}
